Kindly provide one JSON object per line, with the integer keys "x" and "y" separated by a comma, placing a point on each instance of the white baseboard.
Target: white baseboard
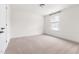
{"x": 26, "y": 35}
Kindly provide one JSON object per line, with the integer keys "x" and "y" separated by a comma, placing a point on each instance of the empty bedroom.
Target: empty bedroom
{"x": 39, "y": 29}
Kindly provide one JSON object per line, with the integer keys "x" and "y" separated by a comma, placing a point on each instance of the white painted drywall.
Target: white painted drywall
{"x": 35, "y": 8}
{"x": 24, "y": 23}
{"x": 69, "y": 24}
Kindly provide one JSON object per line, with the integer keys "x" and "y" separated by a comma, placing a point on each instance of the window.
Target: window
{"x": 54, "y": 22}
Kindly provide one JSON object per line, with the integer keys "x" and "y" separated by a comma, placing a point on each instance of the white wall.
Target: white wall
{"x": 69, "y": 24}
{"x": 24, "y": 23}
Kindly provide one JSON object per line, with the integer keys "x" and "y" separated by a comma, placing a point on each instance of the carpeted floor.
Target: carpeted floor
{"x": 41, "y": 44}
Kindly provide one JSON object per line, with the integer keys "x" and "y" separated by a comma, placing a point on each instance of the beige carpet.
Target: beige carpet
{"x": 41, "y": 44}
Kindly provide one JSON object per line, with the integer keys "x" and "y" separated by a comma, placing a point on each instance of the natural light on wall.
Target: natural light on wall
{"x": 54, "y": 22}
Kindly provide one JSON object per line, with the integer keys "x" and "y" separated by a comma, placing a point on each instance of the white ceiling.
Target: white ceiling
{"x": 35, "y": 8}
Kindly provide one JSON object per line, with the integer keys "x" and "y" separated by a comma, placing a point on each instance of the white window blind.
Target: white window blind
{"x": 54, "y": 22}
